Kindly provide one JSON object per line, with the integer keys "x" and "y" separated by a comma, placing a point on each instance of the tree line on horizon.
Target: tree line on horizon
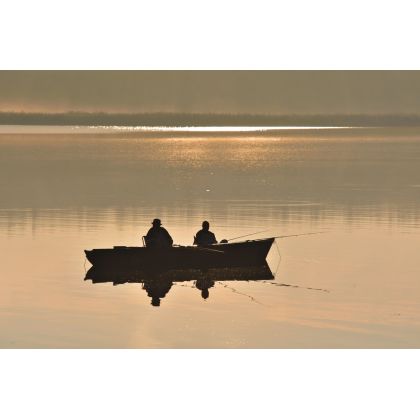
{"x": 167, "y": 119}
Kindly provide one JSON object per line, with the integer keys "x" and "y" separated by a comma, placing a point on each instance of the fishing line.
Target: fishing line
{"x": 294, "y": 286}
{"x": 278, "y": 264}
{"x": 240, "y": 293}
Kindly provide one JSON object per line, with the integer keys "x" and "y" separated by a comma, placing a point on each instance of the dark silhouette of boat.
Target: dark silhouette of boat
{"x": 103, "y": 275}
{"x": 235, "y": 254}
{"x": 158, "y": 282}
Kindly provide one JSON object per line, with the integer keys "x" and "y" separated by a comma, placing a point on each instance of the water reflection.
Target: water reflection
{"x": 63, "y": 193}
{"x": 157, "y": 283}
{"x": 230, "y": 214}
{"x": 204, "y": 285}
{"x": 375, "y": 169}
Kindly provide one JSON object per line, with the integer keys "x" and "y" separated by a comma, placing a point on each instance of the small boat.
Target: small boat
{"x": 235, "y": 254}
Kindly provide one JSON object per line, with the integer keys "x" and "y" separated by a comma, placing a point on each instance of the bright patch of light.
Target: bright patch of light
{"x": 214, "y": 129}
{"x": 57, "y": 129}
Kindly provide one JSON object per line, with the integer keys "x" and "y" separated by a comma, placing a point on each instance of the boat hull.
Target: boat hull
{"x": 247, "y": 253}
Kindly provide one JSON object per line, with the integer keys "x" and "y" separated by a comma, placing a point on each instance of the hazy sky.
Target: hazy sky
{"x": 273, "y": 92}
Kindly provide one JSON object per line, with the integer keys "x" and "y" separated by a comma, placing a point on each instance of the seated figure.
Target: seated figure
{"x": 204, "y": 236}
{"x": 157, "y": 236}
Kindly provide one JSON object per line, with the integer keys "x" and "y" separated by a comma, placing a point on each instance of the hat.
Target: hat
{"x": 156, "y": 222}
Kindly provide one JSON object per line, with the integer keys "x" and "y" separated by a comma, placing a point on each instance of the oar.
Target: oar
{"x": 200, "y": 248}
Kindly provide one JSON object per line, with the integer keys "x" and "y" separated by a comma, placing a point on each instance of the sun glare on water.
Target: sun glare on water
{"x": 213, "y": 128}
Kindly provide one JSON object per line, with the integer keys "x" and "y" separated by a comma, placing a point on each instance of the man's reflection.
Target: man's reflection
{"x": 157, "y": 289}
{"x": 204, "y": 285}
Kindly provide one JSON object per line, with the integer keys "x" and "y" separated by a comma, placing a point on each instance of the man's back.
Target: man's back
{"x": 204, "y": 237}
{"x": 158, "y": 237}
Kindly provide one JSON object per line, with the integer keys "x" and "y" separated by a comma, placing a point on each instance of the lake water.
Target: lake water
{"x": 64, "y": 190}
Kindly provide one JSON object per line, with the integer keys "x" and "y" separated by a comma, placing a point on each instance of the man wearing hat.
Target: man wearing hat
{"x": 157, "y": 236}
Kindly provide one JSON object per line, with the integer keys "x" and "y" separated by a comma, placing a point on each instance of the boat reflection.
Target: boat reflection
{"x": 157, "y": 283}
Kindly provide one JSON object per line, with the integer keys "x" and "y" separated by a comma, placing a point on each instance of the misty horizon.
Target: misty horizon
{"x": 212, "y": 92}
{"x": 206, "y": 119}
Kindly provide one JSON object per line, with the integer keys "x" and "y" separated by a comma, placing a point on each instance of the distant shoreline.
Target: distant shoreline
{"x": 177, "y": 120}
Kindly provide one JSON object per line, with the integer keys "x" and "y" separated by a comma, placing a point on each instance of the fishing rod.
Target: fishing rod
{"x": 243, "y": 236}
{"x": 280, "y": 237}
{"x": 299, "y": 234}
{"x": 275, "y": 237}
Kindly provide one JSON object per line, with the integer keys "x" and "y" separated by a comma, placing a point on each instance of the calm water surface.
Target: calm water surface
{"x": 356, "y": 285}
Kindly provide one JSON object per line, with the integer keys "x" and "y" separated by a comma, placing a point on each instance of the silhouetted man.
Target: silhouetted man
{"x": 157, "y": 289}
{"x": 204, "y": 285}
{"x": 157, "y": 236}
{"x": 204, "y": 236}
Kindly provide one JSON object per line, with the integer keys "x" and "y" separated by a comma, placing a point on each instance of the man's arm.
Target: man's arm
{"x": 148, "y": 239}
{"x": 170, "y": 240}
{"x": 214, "y": 240}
